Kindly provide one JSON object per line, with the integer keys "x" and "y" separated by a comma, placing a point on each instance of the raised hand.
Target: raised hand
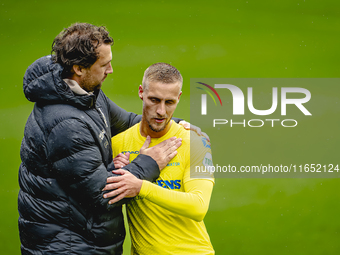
{"x": 121, "y": 160}
{"x": 125, "y": 185}
{"x": 163, "y": 152}
{"x": 194, "y": 128}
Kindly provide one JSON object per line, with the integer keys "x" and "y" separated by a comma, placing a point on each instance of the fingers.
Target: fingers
{"x": 161, "y": 151}
{"x": 112, "y": 186}
{"x": 120, "y": 171}
{"x": 196, "y": 129}
{"x": 116, "y": 199}
{"x": 118, "y": 193}
{"x": 118, "y": 156}
{"x": 112, "y": 193}
{"x": 178, "y": 143}
{"x": 116, "y": 184}
{"x": 126, "y": 185}
{"x": 168, "y": 146}
{"x": 146, "y": 144}
{"x": 185, "y": 124}
{"x": 167, "y": 142}
{"x": 199, "y": 131}
{"x": 114, "y": 179}
{"x": 119, "y": 164}
{"x": 173, "y": 146}
{"x": 189, "y": 126}
{"x": 206, "y": 136}
{"x": 121, "y": 160}
{"x": 171, "y": 155}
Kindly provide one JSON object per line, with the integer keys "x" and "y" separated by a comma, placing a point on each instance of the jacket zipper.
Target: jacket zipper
{"x": 103, "y": 116}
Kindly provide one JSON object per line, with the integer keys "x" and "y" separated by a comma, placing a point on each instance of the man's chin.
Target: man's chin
{"x": 98, "y": 87}
{"x": 157, "y": 128}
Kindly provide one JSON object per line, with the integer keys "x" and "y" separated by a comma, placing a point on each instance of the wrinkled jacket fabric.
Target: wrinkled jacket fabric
{"x": 66, "y": 158}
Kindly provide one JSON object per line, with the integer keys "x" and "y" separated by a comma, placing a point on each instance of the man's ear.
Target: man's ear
{"x": 140, "y": 92}
{"x": 78, "y": 70}
{"x": 179, "y": 95}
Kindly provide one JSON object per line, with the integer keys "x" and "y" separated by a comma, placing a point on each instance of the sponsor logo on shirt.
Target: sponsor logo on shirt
{"x": 206, "y": 143}
{"x": 207, "y": 160}
{"x": 131, "y": 152}
{"x": 169, "y": 184}
{"x": 173, "y": 164}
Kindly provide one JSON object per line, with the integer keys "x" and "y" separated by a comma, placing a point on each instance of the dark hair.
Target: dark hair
{"x": 161, "y": 72}
{"x": 77, "y": 45}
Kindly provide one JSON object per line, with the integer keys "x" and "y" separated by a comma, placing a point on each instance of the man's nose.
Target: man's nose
{"x": 161, "y": 109}
{"x": 109, "y": 69}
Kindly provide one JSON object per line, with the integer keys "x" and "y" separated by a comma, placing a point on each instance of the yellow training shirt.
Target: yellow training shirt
{"x": 167, "y": 216}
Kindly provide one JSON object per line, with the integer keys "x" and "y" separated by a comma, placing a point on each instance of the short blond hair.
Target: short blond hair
{"x": 161, "y": 72}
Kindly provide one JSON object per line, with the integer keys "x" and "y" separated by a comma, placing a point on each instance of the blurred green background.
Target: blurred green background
{"x": 236, "y": 39}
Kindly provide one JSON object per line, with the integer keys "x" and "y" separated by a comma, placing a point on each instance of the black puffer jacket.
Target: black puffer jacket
{"x": 66, "y": 153}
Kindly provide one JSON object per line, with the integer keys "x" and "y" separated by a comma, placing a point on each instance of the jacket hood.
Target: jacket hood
{"x": 43, "y": 83}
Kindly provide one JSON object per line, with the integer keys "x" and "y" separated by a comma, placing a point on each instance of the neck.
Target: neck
{"x": 74, "y": 77}
{"x": 145, "y": 130}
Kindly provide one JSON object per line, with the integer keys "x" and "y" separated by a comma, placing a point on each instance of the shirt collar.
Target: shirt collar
{"x": 74, "y": 86}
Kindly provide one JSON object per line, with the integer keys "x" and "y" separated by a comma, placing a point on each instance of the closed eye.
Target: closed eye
{"x": 154, "y": 100}
{"x": 106, "y": 63}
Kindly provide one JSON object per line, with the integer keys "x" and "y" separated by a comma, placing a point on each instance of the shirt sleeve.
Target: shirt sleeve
{"x": 192, "y": 203}
{"x": 200, "y": 163}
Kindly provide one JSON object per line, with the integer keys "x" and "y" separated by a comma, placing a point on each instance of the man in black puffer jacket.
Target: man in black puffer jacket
{"x": 66, "y": 150}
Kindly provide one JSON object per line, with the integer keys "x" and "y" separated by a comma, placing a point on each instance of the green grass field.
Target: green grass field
{"x": 203, "y": 39}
